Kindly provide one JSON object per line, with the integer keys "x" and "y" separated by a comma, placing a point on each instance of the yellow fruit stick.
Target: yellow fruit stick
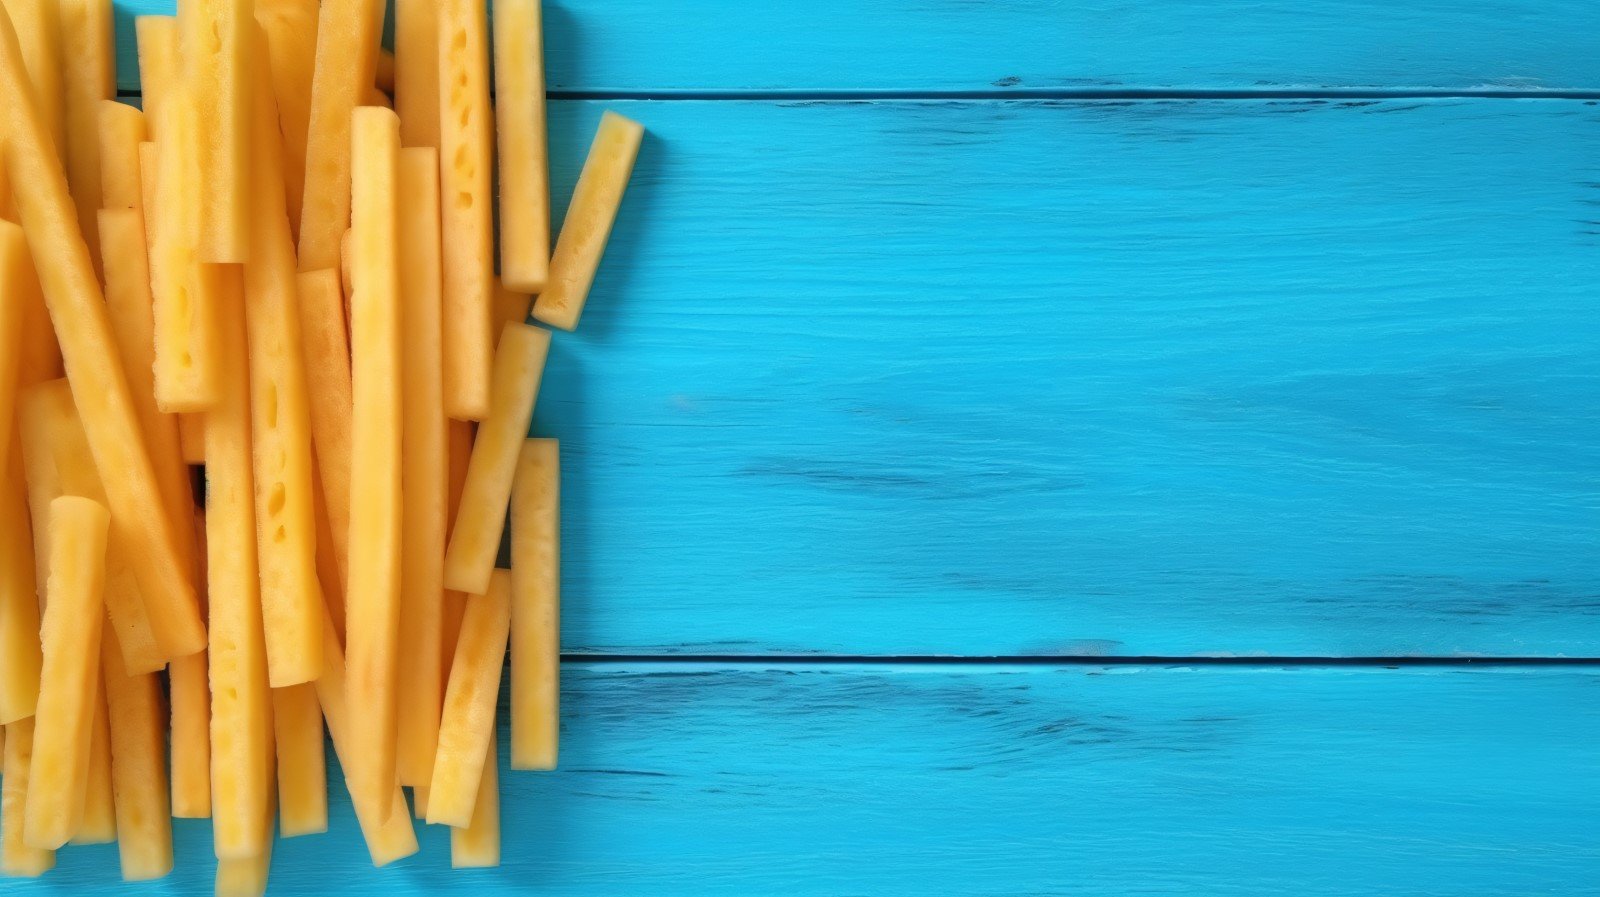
{"x": 20, "y": 659}
{"x": 244, "y": 876}
{"x": 17, "y": 858}
{"x": 389, "y": 836}
{"x": 475, "y": 540}
{"x": 15, "y": 276}
{"x": 94, "y": 366}
{"x": 280, "y": 419}
{"x": 524, "y": 165}
{"x": 38, "y": 27}
{"x": 590, "y": 215}
{"x": 536, "y": 606}
{"x": 120, "y": 131}
{"x": 217, "y": 39}
{"x": 302, "y": 768}
{"x": 465, "y": 166}
{"x": 416, "y": 76}
{"x": 477, "y": 846}
{"x": 346, "y": 65}
{"x": 469, "y": 705}
{"x": 455, "y": 603}
{"x": 328, "y": 578}
{"x": 99, "y": 822}
{"x": 138, "y": 766}
{"x": 70, "y": 639}
{"x": 291, "y": 27}
{"x": 159, "y": 64}
{"x": 89, "y": 70}
{"x": 327, "y": 358}
{"x": 510, "y": 306}
{"x": 191, "y": 710}
{"x": 424, "y": 467}
{"x": 372, "y": 595}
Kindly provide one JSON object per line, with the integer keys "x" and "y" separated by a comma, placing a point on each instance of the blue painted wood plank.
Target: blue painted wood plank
{"x": 917, "y": 45}
{"x": 1288, "y": 378}
{"x": 708, "y": 781}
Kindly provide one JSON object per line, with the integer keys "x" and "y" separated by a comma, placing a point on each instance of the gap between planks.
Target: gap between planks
{"x": 1068, "y": 93}
{"x": 1076, "y": 660}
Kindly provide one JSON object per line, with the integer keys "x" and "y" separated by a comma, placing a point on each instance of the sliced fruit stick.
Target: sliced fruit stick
{"x": 477, "y": 846}
{"x": 372, "y": 594}
{"x": 241, "y": 714}
{"x": 590, "y": 215}
{"x": 416, "y": 76}
{"x": 192, "y": 437}
{"x": 120, "y": 130}
{"x": 218, "y": 38}
{"x": 302, "y": 768}
{"x": 244, "y": 876}
{"x": 89, "y": 70}
{"x": 389, "y": 836}
{"x": 280, "y": 417}
{"x": 17, "y": 858}
{"x": 191, "y": 712}
{"x": 138, "y": 766}
{"x": 344, "y": 269}
{"x": 56, "y": 447}
{"x": 327, "y": 357}
{"x": 20, "y": 659}
{"x": 38, "y": 26}
{"x": 510, "y": 306}
{"x": 15, "y": 274}
{"x": 536, "y": 606}
{"x": 469, "y": 705}
{"x": 99, "y": 823}
{"x": 376, "y": 97}
{"x": 328, "y": 578}
{"x": 455, "y": 603}
{"x": 475, "y": 540}
{"x": 159, "y": 64}
{"x": 70, "y": 637}
{"x": 291, "y": 27}
{"x": 347, "y": 60}
{"x": 94, "y": 366}
{"x": 8, "y": 210}
{"x": 36, "y": 443}
{"x": 465, "y": 167}
{"x": 425, "y": 468}
{"x": 523, "y": 161}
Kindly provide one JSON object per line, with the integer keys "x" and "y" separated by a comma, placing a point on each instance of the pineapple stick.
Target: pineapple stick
{"x": 218, "y": 42}
{"x": 17, "y": 858}
{"x": 19, "y": 608}
{"x": 475, "y": 540}
{"x": 327, "y": 357}
{"x": 477, "y": 846}
{"x": 510, "y": 306}
{"x": 191, "y": 709}
{"x": 590, "y": 215}
{"x": 244, "y": 876}
{"x": 469, "y": 705}
{"x": 424, "y": 468}
{"x": 70, "y": 638}
{"x": 280, "y": 419}
{"x": 15, "y": 274}
{"x": 291, "y": 27}
{"x": 138, "y": 766}
{"x": 524, "y": 165}
{"x": 346, "y": 65}
{"x": 99, "y": 823}
{"x": 455, "y": 603}
{"x": 536, "y": 606}
{"x": 465, "y": 168}
{"x": 158, "y": 64}
{"x": 302, "y": 769}
{"x": 416, "y": 85}
{"x": 89, "y": 70}
{"x": 328, "y": 578}
{"x": 38, "y": 27}
{"x": 373, "y": 593}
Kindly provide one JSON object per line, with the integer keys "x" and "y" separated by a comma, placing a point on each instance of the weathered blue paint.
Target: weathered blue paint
{"x": 1019, "y": 45}
{"x": 729, "y": 782}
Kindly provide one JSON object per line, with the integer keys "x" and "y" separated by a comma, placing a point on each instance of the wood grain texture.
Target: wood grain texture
{"x": 959, "y": 45}
{"x": 888, "y": 780}
{"x": 1289, "y": 378}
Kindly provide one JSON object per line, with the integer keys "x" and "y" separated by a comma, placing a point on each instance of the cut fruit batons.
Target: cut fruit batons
{"x": 38, "y": 27}
{"x": 218, "y": 39}
{"x": 346, "y": 67}
{"x": 159, "y": 64}
{"x": 17, "y": 858}
{"x": 302, "y": 767}
{"x": 466, "y": 148}
{"x": 70, "y": 636}
{"x": 94, "y": 366}
{"x": 138, "y": 766}
{"x": 20, "y": 659}
{"x": 480, "y": 521}
{"x": 477, "y": 846}
{"x": 510, "y": 306}
{"x": 372, "y": 596}
{"x": 16, "y": 273}
{"x": 590, "y": 216}
{"x": 327, "y": 357}
{"x": 291, "y": 27}
{"x": 99, "y": 822}
{"x": 523, "y": 160}
{"x": 241, "y": 711}
{"x": 416, "y": 84}
{"x": 89, "y": 74}
{"x": 469, "y": 705}
{"x": 536, "y": 606}
{"x": 191, "y": 710}
{"x": 280, "y": 416}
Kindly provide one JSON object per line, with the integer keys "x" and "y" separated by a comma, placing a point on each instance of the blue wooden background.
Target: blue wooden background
{"x": 1026, "y": 448}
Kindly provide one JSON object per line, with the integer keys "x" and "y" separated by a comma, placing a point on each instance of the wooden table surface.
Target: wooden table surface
{"x": 1042, "y": 448}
